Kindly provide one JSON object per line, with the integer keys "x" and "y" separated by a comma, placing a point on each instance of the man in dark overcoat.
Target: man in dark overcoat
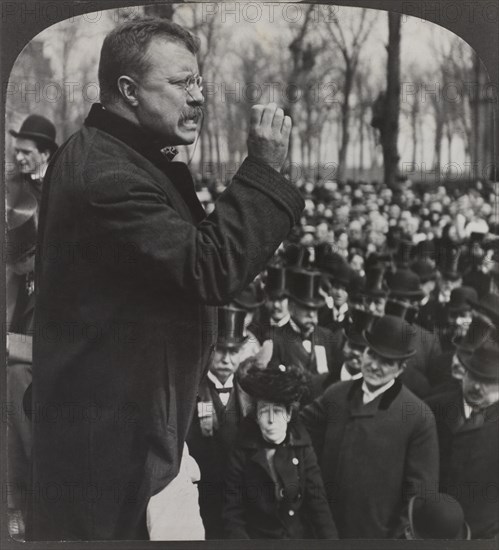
{"x": 375, "y": 440}
{"x": 469, "y": 444}
{"x": 221, "y": 406}
{"x": 129, "y": 267}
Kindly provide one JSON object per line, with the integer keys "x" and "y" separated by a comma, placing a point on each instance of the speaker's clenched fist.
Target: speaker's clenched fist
{"x": 268, "y": 138}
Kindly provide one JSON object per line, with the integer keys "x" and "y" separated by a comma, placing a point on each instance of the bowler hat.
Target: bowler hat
{"x": 460, "y": 298}
{"x": 361, "y": 320}
{"x": 478, "y": 331}
{"x": 276, "y": 383}
{"x": 396, "y": 308}
{"x": 39, "y": 129}
{"x": 21, "y": 222}
{"x": 404, "y": 283}
{"x": 231, "y": 326}
{"x": 488, "y": 305}
{"x": 337, "y": 270}
{"x": 484, "y": 361}
{"x": 275, "y": 283}
{"x": 375, "y": 285}
{"x": 424, "y": 269}
{"x": 439, "y": 517}
{"x": 303, "y": 287}
{"x": 250, "y": 298}
{"x": 391, "y": 337}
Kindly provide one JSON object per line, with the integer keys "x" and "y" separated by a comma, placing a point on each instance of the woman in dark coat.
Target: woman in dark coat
{"x": 273, "y": 486}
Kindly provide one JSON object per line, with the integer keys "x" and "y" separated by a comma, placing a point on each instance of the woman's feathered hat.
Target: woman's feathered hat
{"x": 276, "y": 383}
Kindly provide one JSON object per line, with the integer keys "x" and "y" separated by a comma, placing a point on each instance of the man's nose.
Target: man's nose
{"x": 19, "y": 156}
{"x": 195, "y": 96}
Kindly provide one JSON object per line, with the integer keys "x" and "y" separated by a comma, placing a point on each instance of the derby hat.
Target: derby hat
{"x": 392, "y": 338}
{"x": 39, "y": 129}
{"x": 375, "y": 285}
{"x": 231, "y": 326}
{"x": 275, "y": 283}
{"x": 277, "y": 383}
{"x": 488, "y": 305}
{"x": 483, "y": 363}
{"x": 460, "y": 299}
{"x": 303, "y": 286}
{"x": 404, "y": 283}
{"x": 337, "y": 270}
{"x": 250, "y": 298}
{"x": 424, "y": 269}
{"x": 361, "y": 321}
{"x": 21, "y": 207}
{"x": 437, "y": 518}
{"x": 396, "y": 308}
{"x": 478, "y": 331}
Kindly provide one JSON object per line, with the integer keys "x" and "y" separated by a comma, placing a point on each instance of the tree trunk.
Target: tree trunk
{"x": 345, "y": 120}
{"x": 390, "y": 127}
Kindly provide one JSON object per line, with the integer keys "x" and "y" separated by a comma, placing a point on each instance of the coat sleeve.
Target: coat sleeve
{"x": 315, "y": 501}
{"x": 212, "y": 261}
{"x": 234, "y": 515}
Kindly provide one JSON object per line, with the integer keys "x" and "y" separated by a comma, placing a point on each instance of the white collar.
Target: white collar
{"x": 345, "y": 375}
{"x": 342, "y": 309}
{"x": 229, "y": 383}
{"x": 468, "y": 409}
{"x": 371, "y": 395}
{"x": 280, "y": 323}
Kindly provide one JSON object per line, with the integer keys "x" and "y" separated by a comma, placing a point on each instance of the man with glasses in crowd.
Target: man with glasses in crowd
{"x": 129, "y": 269}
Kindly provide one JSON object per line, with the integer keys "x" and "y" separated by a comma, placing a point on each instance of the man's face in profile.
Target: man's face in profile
{"x": 166, "y": 109}
{"x": 28, "y": 157}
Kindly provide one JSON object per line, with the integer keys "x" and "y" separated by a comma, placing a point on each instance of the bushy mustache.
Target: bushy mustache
{"x": 195, "y": 114}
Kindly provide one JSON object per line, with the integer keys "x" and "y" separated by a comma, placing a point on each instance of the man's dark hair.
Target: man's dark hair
{"x": 124, "y": 50}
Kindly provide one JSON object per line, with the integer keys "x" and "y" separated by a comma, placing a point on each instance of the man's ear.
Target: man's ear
{"x": 128, "y": 89}
{"x": 402, "y": 365}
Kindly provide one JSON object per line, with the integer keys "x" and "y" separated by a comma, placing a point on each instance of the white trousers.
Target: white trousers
{"x": 173, "y": 514}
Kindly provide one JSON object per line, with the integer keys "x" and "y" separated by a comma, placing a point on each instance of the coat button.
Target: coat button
{"x": 291, "y": 512}
{"x": 295, "y": 461}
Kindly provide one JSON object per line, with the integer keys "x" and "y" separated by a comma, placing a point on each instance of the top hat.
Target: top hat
{"x": 275, "y": 283}
{"x": 296, "y": 255}
{"x": 336, "y": 269}
{"x": 231, "y": 326}
{"x": 437, "y": 518}
{"x": 375, "y": 285}
{"x": 362, "y": 320}
{"x": 478, "y": 331}
{"x": 424, "y": 269}
{"x": 303, "y": 287}
{"x": 460, "y": 298}
{"x": 276, "y": 383}
{"x": 250, "y": 298}
{"x": 391, "y": 337}
{"x": 484, "y": 361}
{"x": 403, "y": 255}
{"x": 488, "y": 305}
{"x": 21, "y": 210}
{"x": 449, "y": 265}
{"x": 39, "y": 129}
{"x": 404, "y": 283}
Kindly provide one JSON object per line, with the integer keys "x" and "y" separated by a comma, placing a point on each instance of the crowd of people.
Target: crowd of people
{"x": 353, "y": 386}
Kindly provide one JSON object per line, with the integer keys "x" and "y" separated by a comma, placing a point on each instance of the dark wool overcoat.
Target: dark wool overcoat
{"x": 469, "y": 460}
{"x": 255, "y": 509}
{"x": 211, "y": 451}
{"x": 373, "y": 457}
{"x": 128, "y": 270}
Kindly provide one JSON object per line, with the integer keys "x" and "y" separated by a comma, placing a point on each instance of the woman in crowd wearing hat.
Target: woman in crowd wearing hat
{"x": 467, "y": 432}
{"x": 375, "y": 440}
{"x": 274, "y": 488}
{"x": 220, "y": 408}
